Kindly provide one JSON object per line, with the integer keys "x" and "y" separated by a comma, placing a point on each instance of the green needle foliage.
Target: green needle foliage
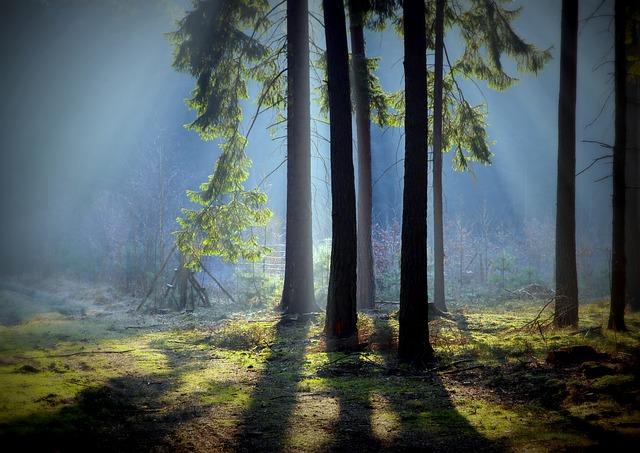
{"x": 463, "y": 125}
{"x": 223, "y": 229}
{"x": 485, "y": 27}
{"x": 487, "y": 33}
{"x": 225, "y": 46}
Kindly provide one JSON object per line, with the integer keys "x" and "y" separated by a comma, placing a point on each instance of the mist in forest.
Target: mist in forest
{"x": 319, "y": 225}
{"x": 96, "y": 161}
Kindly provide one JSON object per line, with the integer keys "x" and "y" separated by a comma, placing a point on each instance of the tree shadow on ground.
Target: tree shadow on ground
{"x": 265, "y": 422}
{"x": 527, "y": 383}
{"x": 125, "y": 414}
{"x": 409, "y": 412}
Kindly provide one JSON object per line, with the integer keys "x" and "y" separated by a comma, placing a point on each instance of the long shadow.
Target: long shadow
{"x": 125, "y": 414}
{"x": 265, "y": 423}
{"x": 352, "y": 386}
{"x": 427, "y": 419}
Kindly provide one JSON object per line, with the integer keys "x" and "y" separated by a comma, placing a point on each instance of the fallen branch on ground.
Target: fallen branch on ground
{"x": 460, "y": 370}
{"x": 448, "y": 365}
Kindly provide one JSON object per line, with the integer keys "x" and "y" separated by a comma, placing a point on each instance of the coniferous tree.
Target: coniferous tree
{"x": 438, "y": 227}
{"x": 297, "y": 293}
{"x": 488, "y": 35}
{"x": 632, "y": 215}
{"x": 566, "y": 303}
{"x": 341, "y": 298}
{"x": 365, "y": 291}
{"x": 413, "y": 345}
{"x": 484, "y": 26}
{"x": 618, "y": 259}
{"x": 211, "y": 45}
{"x": 487, "y": 32}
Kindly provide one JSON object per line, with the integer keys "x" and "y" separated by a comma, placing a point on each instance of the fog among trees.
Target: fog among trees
{"x": 319, "y": 225}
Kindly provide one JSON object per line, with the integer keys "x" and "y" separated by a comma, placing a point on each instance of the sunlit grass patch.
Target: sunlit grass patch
{"x": 225, "y": 393}
{"x": 385, "y": 421}
{"x": 490, "y": 419}
{"x": 500, "y": 335}
{"x": 239, "y": 334}
{"x": 310, "y": 423}
{"x": 261, "y": 373}
{"x": 23, "y": 394}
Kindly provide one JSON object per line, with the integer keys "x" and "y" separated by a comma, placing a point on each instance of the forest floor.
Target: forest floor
{"x": 81, "y": 370}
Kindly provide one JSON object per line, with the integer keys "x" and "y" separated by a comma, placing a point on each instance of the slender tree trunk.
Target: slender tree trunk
{"x": 414, "y": 344}
{"x": 298, "y": 293}
{"x": 365, "y": 292}
{"x": 341, "y": 299}
{"x": 632, "y": 216}
{"x": 618, "y": 260}
{"x": 438, "y": 229}
{"x": 633, "y": 175}
{"x": 566, "y": 307}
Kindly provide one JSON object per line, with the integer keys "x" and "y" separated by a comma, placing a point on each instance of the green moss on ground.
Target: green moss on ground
{"x": 264, "y": 382}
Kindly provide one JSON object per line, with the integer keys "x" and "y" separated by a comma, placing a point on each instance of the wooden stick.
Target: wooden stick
{"x": 460, "y": 370}
{"x": 218, "y": 283}
{"x": 448, "y": 365}
{"x": 200, "y": 291}
{"x": 155, "y": 278}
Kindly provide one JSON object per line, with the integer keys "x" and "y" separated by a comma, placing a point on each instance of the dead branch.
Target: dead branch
{"x": 218, "y": 283}
{"x": 155, "y": 278}
{"x": 448, "y": 365}
{"x": 460, "y": 370}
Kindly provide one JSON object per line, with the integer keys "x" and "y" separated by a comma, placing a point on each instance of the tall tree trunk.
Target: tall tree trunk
{"x": 341, "y": 299}
{"x": 566, "y": 304}
{"x": 365, "y": 292}
{"x": 618, "y": 261}
{"x": 298, "y": 293}
{"x": 414, "y": 328}
{"x": 438, "y": 229}
{"x": 632, "y": 216}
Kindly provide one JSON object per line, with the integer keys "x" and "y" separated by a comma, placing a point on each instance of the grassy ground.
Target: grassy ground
{"x": 94, "y": 374}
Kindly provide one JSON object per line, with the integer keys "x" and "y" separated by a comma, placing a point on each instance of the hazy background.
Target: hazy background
{"x": 92, "y": 119}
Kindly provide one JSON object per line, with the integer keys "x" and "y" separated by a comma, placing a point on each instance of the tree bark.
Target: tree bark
{"x": 566, "y": 304}
{"x": 438, "y": 229}
{"x": 341, "y": 299}
{"x": 413, "y": 346}
{"x": 298, "y": 292}
{"x": 365, "y": 291}
{"x": 632, "y": 216}
{"x": 618, "y": 259}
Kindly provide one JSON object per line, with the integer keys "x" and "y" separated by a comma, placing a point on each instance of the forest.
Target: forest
{"x": 319, "y": 225}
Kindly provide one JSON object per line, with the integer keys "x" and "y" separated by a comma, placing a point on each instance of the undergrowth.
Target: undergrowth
{"x": 260, "y": 373}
